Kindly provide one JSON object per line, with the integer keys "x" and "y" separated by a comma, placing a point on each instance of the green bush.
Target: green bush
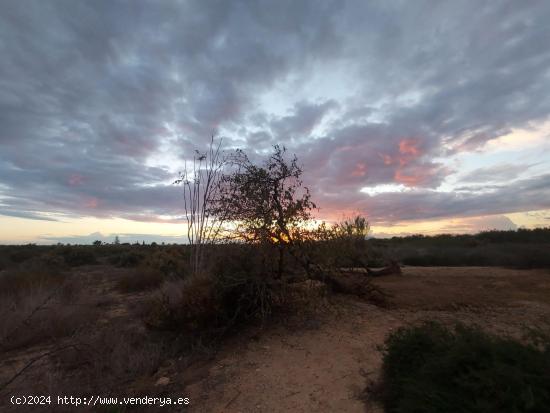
{"x": 434, "y": 369}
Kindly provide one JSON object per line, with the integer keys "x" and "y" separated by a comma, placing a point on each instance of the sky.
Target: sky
{"x": 425, "y": 116}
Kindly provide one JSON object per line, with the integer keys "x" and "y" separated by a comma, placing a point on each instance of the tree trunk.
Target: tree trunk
{"x": 281, "y": 263}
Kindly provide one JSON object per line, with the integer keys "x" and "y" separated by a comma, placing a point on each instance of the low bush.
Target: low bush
{"x": 184, "y": 305}
{"x": 22, "y": 253}
{"x": 35, "y": 274}
{"x": 13, "y": 255}
{"x": 248, "y": 297}
{"x": 127, "y": 259}
{"x": 140, "y": 279}
{"x": 171, "y": 262}
{"x": 80, "y": 255}
{"x": 431, "y": 368}
{"x": 244, "y": 277}
{"x": 236, "y": 291}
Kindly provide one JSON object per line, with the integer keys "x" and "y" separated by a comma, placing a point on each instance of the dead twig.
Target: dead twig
{"x": 230, "y": 402}
{"x": 33, "y": 361}
{"x": 27, "y": 319}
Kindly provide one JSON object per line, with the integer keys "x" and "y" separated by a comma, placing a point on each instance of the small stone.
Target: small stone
{"x": 162, "y": 381}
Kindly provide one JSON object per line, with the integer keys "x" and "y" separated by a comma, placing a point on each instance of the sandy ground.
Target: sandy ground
{"x": 325, "y": 364}
{"x": 322, "y": 360}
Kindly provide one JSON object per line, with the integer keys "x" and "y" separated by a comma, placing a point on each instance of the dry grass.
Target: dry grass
{"x": 102, "y": 361}
{"x": 20, "y": 282}
{"x": 41, "y": 306}
{"x": 55, "y": 325}
{"x": 107, "y": 357}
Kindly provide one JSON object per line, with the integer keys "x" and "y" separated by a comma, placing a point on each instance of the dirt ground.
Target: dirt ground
{"x": 325, "y": 364}
{"x": 323, "y": 359}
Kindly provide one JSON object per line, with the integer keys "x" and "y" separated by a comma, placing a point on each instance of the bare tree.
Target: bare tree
{"x": 201, "y": 183}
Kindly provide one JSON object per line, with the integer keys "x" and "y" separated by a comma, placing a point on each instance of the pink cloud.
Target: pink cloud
{"x": 76, "y": 180}
{"x": 359, "y": 170}
{"x": 91, "y": 203}
{"x": 387, "y": 159}
{"x": 408, "y": 150}
{"x": 409, "y": 147}
{"x": 409, "y": 180}
{"x": 407, "y": 174}
{"x": 419, "y": 175}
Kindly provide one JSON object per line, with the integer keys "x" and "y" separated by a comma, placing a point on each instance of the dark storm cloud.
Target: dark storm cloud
{"x": 91, "y": 92}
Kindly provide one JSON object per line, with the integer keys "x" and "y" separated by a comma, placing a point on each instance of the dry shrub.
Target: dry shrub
{"x": 248, "y": 296}
{"x": 112, "y": 354}
{"x": 107, "y": 361}
{"x": 184, "y": 305}
{"x": 309, "y": 296}
{"x": 171, "y": 262}
{"x": 238, "y": 289}
{"x": 78, "y": 255}
{"x": 53, "y": 321}
{"x": 211, "y": 305}
{"x": 142, "y": 279}
{"x": 36, "y": 274}
{"x": 16, "y": 285}
{"x": 15, "y": 254}
{"x": 127, "y": 259}
{"x": 37, "y": 308}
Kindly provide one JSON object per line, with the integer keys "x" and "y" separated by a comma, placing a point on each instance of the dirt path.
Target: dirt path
{"x": 326, "y": 368}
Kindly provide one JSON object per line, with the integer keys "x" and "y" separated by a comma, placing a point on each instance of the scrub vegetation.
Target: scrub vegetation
{"x": 433, "y": 368}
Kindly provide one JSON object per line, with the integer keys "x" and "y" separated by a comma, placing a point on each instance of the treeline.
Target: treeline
{"x": 523, "y": 235}
{"x": 524, "y": 248}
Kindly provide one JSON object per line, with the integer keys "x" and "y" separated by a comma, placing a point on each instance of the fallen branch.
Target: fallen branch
{"x": 391, "y": 269}
{"x": 343, "y": 282}
{"x": 32, "y": 361}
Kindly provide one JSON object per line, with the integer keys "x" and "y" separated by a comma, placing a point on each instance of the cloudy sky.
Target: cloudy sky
{"x": 427, "y": 116}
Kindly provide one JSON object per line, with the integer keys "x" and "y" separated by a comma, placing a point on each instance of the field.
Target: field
{"x": 85, "y": 328}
